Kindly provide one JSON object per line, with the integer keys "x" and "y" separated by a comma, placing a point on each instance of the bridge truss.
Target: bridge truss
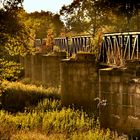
{"x": 116, "y": 48}
{"x": 75, "y": 44}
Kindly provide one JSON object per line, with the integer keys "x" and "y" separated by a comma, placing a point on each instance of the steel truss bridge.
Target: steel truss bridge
{"x": 118, "y": 47}
{"x": 115, "y": 48}
{"x": 75, "y": 44}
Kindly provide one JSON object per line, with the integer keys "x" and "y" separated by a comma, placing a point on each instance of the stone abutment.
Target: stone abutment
{"x": 112, "y": 93}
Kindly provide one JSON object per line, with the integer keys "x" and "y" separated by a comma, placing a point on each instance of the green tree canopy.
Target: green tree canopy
{"x": 46, "y": 21}
{"x": 83, "y": 16}
{"x": 127, "y": 8}
{"x": 90, "y": 15}
{"x": 15, "y": 35}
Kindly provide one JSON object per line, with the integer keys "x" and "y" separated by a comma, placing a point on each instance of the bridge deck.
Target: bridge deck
{"x": 116, "y": 48}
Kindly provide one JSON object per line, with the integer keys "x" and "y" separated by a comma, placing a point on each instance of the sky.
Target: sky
{"x": 45, "y": 5}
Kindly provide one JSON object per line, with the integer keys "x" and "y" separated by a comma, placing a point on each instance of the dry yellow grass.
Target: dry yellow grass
{"x": 28, "y": 135}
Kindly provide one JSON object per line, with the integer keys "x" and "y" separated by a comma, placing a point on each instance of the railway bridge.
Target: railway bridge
{"x": 112, "y": 77}
{"x": 115, "y": 48}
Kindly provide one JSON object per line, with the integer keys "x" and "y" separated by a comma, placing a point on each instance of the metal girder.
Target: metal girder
{"x": 116, "y": 48}
{"x": 75, "y": 44}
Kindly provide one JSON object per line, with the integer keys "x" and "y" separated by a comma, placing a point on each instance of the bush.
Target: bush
{"x": 10, "y": 70}
{"x": 54, "y": 118}
{"x": 65, "y": 120}
{"x": 48, "y": 120}
{"x": 47, "y": 105}
{"x": 74, "y": 124}
{"x": 16, "y": 96}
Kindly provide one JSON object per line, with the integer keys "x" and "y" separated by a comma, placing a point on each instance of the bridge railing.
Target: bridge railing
{"x": 74, "y": 45}
{"x": 118, "y": 47}
{"x": 62, "y": 42}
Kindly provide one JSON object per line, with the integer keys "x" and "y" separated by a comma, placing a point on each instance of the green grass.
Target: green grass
{"x": 67, "y": 123}
{"x": 16, "y": 96}
{"x": 46, "y": 119}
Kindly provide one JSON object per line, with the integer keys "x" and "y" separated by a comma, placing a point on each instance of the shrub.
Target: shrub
{"x": 49, "y": 120}
{"x": 47, "y": 105}
{"x": 10, "y": 70}
{"x": 74, "y": 124}
{"x": 66, "y": 120}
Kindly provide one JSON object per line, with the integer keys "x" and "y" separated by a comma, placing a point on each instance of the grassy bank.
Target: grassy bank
{"x": 16, "y": 96}
{"x": 45, "y": 118}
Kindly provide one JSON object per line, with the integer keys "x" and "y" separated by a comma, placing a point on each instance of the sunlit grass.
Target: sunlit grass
{"x": 46, "y": 119}
{"x": 49, "y": 120}
{"x": 16, "y": 96}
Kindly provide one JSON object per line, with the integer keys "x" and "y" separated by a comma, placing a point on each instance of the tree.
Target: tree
{"x": 127, "y": 8}
{"x": 46, "y": 21}
{"x": 12, "y": 38}
{"x": 83, "y": 16}
{"x": 91, "y": 15}
{"x": 15, "y": 34}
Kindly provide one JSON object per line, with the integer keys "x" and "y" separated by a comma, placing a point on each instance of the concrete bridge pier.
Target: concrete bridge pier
{"x": 36, "y": 64}
{"x": 51, "y": 69}
{"x": 43, "y": 68}
{"x": 79, "y": 82}
{"x": 27, "y": 66}
{"x": 121, "y": 88}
